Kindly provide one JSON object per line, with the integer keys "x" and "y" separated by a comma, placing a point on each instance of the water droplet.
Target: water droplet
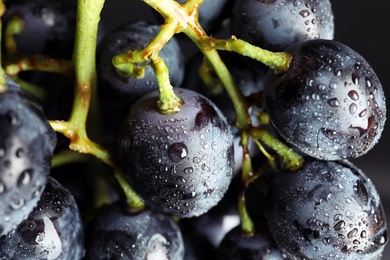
{"x": 180, "y": 179}
{"x": 304, "y": 13}
{"x": 189, "y": 195}
{"x": 368, "y": 82}
{"x": 339, "y": 225}
{"x": 353, "y": 108}
{"x": 177, "y": 152}
{"x": 355, "y": 78}
{"x": 197, "y": 160}
{"x": 297, "y": 2}
{"x": 337, "y": 72}
{"x": 363, "y": 113}
{"x": 24, "y": 178}
{"x": 352, "y": 233}
{"x": 16, "y": 202}
{"x": 188, "y": 170}
{"x": 333, "y": 85}
{"x": 334, "y": 102}
{"x": 353, "y": 95}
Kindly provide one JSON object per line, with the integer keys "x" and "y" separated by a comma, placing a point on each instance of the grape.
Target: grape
{"x": 49, "y": 27}
{"x": 329, "y": 104}
{"x": 236, "y": 245}
{"x": 134, "y": 36}
{"x": 180, "y": 163}
{"x": 117, "y": 233}
{"x": 53, "y": 230}
{"x": 276, "y": 24}
{"x": 327, "y": 210}
{"x": 26, "y": 148}
{"x": 117, "y": 94}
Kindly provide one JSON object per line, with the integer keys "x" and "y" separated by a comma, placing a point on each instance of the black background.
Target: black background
{"x": 362, "y": 25}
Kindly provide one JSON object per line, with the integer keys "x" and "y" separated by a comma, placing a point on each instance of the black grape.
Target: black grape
{"x": 327, "y": 210}
{"x": 329, "y": 104}
{"x": 53, "y": 230}
{"x": 116, "y": 232}
{"x": 179, "y": 163}
{"x": 26, "y": 148}
{"x": 276, "y": 24}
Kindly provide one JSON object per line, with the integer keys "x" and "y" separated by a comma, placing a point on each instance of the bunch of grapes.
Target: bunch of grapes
{"x": 116, "y": 144}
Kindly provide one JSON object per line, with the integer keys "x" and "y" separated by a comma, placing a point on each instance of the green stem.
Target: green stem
{"x": 132, "y": 64}
{"x": 246, "y": 178}
{"x": 278, "y": 61}
{"x": 18, "y": 63}
{"x": 169, "y": 102}
{"x": 292, "y": 161}
{"x": 88, "y": 16}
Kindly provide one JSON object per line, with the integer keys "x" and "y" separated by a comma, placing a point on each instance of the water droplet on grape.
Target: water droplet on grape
{"x": 304, "y": 13}
{"x": 177, "y": 152}
{"x": 24, "y": 178}
{"x": 334, "y": 102}
{"x": 188, "y": 170}
{"x": 339, "y": 225}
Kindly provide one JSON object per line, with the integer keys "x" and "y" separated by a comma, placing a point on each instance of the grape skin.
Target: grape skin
{"x": 53, "y": 230}
{"x": 181, "y": 163}
{"x": 329, "y": 104}
{"x": 26, "y": 149}
{"x": 327, "y": 210}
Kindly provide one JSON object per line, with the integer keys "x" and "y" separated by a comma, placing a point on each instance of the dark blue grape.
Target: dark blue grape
{"x": 276, "y": 24}
{"x": 53, "y": 230}
{"x": 117, "y": 233}
{"x": 180, "y": 163}
{"x": 329, "y": 104}
{"x": 26, "y": 148}
{"x": 236, "y": 246}
{"x": 128, "y": 37}
{"x": 327, "y": 210}
{"x": 49, "y": 27}
{"x": 116, "y": 93}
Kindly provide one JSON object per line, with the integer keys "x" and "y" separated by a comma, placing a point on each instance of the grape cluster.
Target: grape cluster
{"x": 118, "y": 144}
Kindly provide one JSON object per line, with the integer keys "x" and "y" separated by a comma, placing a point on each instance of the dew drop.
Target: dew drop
{"x": 177, "y": 152}
{"x": 363, "y": 113}
{"x": 339, "y": 225}
{"x": 20, "y": 153}
{"x": 334, "y": 102}
{"x": 304, "y": 13}
{"x": 188, "y": 170}
{"x": 368, "y": 82}
{"x": 24, "y": 178}
{"x": 17, "y": 202}
{"x": 197, "y": 160}
{"x": 352, "y": 233}
{"x": 297, "y": 2}
{"x": 353, "y": 95}
{"x": 355, "y": 78}
{"x": 353, "y": 108}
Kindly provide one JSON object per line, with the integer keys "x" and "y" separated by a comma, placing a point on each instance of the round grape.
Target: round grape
{"x": 180, "y": 163}
{"x": 329, "y": 104}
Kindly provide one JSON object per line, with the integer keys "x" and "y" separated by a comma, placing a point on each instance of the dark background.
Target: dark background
{"x": 362, "y": 25}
